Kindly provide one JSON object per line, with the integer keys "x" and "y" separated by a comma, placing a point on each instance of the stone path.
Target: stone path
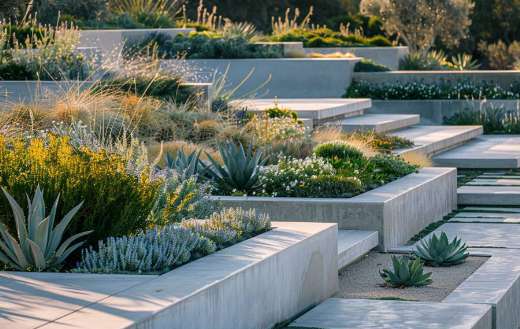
{"x": 490, "y": 151}
{"x": 336, "y": 313}
{"x": 430, "y": 140}
{"x": 490, "y": 189}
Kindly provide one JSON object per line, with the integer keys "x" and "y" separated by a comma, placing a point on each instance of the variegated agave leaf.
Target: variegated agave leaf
{"x": 39, "y": 241}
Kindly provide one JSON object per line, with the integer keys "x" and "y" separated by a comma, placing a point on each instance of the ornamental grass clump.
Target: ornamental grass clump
{"x": 39, "y": 244}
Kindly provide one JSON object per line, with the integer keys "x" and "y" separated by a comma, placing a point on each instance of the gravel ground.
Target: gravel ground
{"x": 362, "y": 279}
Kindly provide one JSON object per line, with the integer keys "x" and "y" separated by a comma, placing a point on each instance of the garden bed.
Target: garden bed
{"x": 297, "y": 262}
{"x": 435, "y": 111}
{"x": 397, "y": 210}
{"x": 500, "y": 78}
{"x": 272, "y": 77}
{"x": 362, "y": 280}
{"x": 387, "y": 56}
{"x": 110, "y": 41}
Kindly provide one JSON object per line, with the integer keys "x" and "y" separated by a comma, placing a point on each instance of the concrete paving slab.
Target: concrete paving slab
{"x": 337, "y": 313}
{"x": 431, "y": 140}
{"x": 483, "y": 235}
{"x": 486, "y": 217}
{"x": 353, "y": 244}
{"x": 489, "y": 195}
{"x": 492, "y": 209}
{"x": 379, "y": 123}
{"x": 489, "y": 151}
{"x": 316, "y": 109}
{"x": 494, "y": 182}
{"x": 496, "y": 283}
{"x": 28, "y": 300}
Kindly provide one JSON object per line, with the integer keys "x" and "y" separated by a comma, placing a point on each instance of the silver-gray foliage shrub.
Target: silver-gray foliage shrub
{"x": 159, "y": 250}
{"x": 154, "y": 251}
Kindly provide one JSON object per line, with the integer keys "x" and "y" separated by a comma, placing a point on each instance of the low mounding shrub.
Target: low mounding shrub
{"x": 340, "y": 153}
{"x": 312, "y": 177}
{"x": 115, "y": 202}
{"x": 494, "y": 120}
{"x": 199, "y": 45}
{"x": 386, "y": 168}
{"x": 421, "y": 90}
{"x": 367, "y": 65}
{"x": 159, "y": 250}
{"x": 323, "y": 37}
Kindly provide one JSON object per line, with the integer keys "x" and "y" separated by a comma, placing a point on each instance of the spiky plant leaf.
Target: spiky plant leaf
{"x": 406, "y": 273}
{"x": 39, "y": 245}
{"x": 439, "y": 251}
{"x": 240, "y": 170}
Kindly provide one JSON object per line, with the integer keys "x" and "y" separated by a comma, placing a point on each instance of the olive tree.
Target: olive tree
{"x": 420, "y": 23}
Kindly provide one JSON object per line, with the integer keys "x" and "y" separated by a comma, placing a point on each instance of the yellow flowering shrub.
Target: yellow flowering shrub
{"x": 115, "y": 202}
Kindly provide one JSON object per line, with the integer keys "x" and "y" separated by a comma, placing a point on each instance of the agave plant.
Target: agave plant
{"x": 39, "y": 245}
{"x": 439, "y": 251}
{"x": 464, "y": 62}
{"x": 186, "y": 165}
{"x": 406, "y": 273}
{"x": 240, "y": 171}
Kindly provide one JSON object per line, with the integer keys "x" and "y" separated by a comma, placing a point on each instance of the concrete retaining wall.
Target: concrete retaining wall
{"x": 252, "y": 285}
{"x": 434, "y": 111}
{"x": 110, "y": 42}
{"x": 31, "y": 91}
{"x": 270, "y": 78}
{"x": 387, "y": 56}
{"x": 501, "y": 78}
{"x": 397, "y": 210}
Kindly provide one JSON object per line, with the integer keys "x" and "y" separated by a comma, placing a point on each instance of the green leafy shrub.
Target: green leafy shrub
{"x": 323, "y": 37}
{"x": 439, "y": 251}
{"x": 277, "y": 112}
{"x": 338, "y": 151}
{"x": 406, "y": 273}
{"x": 312, "y": 177}
{"x": 39, "y": 246}
{"x": 200, "y": 45}
{"x": 421, "y": 90}
{"x": 116, "y": 202}
{"x": 160, "y": 250}
{"x": 387, "y": 168}
{"x": 368, "y": 65}
{"x": 493, "y": 119}
{"x": 240, "y": 170}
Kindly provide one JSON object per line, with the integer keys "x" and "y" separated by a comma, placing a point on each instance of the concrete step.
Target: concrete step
{"x": 337, "y": 313}
{"x": 380, "y": 123}
{"x": 490, "y": 151}
{"x": 318, "y": 109}
{"x": 431, "y": 140}
{"x": 353, "y": 244}
{"x": 489, "y": 195}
